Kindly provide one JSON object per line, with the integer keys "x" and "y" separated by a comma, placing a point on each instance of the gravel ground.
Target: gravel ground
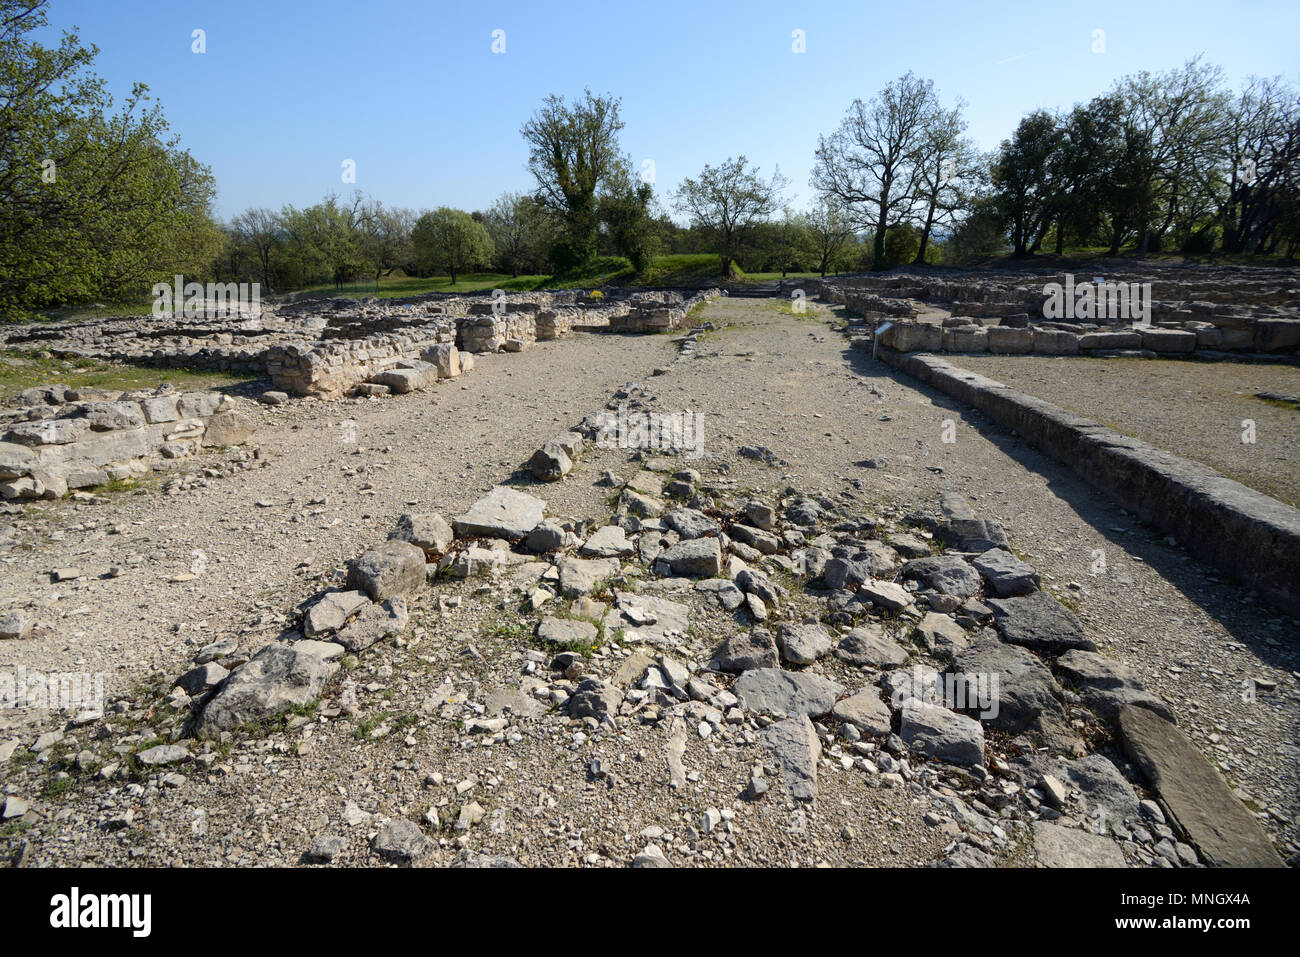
{"x": 1192, "y": 637}
{"x": 849, "y": 427}
{"x": 1193, "y": 409}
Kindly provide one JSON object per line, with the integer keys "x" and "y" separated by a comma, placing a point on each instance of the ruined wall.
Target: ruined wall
{"x": 334, "y": 367}
{"x": 65, "y": 439}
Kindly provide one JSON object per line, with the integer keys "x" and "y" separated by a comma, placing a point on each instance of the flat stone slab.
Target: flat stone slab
{"x": 787, "y": 692}
{"x": 691, "y": 523}
{"x": 1058, "y": 846}
{"x": 1025, "y": 689}
{"x": 333, "y": 610}
{"x": 696, "y": 557}
{"x": 942, "y": 734}
{"x": 501, "y": 513}
{"x": 277, "y": 677}
{"x": 946, "y": 574}
{"x": 867, "y": 647}
{"x": 580, "y": 576}
{"x": 567, "y": 632}
{"x": 1040, "y": 623}
{"x": 886, "y": 595}
{"x": 647, "y": 618}
{"x": 1104, "y": 685}
{"x": 941, "y": 634}
{"x": 745, "y": 651}
{"x": 608, "y": 541}
{"x": 804, "y": 644}
{"x": 375, "y": 623}
{"x": 1006, "y": 574}
{"x": 865, "y": 711}
{"x": 1216, "y": 823}
{"x": 793, "y": 742}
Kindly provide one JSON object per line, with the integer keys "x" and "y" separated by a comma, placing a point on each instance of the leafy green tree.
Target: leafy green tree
{"x": 726, "y": 201}
{"x": 384, "y": 237}
{"x": 574, "y": 155}
{"x": 450, "y": 239}
{"x": 93, "y": 203}
{"x": 1262, "y": 155}
{"x": 948, "y": 168}
{"x": 1022, "y": 178}
{"x": 256, "y": 236}
{"x": 626, "y": 212}
{"x": 830, "y": 234}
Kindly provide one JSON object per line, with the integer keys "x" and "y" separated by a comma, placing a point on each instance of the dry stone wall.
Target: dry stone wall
{"x": 65, "y": 439}
{"x": 1215, "y": 309}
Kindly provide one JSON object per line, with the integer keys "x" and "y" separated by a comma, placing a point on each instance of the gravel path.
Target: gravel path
{"x": 1193, "y": 409}
{"x": 269, "y": 534}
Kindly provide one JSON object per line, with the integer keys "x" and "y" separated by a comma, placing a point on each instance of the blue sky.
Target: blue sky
{"x": 412, "y": 92}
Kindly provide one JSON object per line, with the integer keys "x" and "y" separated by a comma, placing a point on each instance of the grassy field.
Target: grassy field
{"x": 21, "y": 370}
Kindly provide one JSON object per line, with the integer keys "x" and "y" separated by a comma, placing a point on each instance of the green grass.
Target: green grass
{"x": 679, "y": 269}
{"x": 22, "y": 369}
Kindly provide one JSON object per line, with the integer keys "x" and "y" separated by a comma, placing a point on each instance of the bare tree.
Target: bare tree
{"x": 949, "y": 166}
{"x": 725, "y": 201}
{"x": 869, "y": 166}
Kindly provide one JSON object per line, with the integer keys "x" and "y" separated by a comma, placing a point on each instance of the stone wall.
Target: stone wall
{"x": 659, "y": 311}
{"x": 1216, "y": 308}
{"x": 1248, "y": 535}
{"x": 334, "y": 367}
{"x": 1017, "y": 336}
{"x": 65, "y": 439}
{"x": 510, "y": 332}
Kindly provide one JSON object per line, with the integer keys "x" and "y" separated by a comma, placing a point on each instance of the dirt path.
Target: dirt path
{"x": 327, "y": 491}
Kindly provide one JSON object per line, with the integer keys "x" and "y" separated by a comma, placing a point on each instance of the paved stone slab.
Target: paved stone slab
{"x": 501, "y": 513}
{"x": 1104, "y": 685}
{"x": 1040, "y": 623}
{"x": 946, "y": 574}
{"x": 648, "y": 618}
{"x": 865, "y": 711}
{"x": 793, "y": 742}
{"x": 1058, "y": 846}
{"x": 745, "y": 651}
{"x": 803, "y": 644}
{"x": 946, "y": 735}
{"x": 278, "y": 677}
{"x": 868, "y": 647}
{"x": 608, "y": 541}
{"x": 696, "y": 557}
{"x": 1025, "y": 690}
{"x": 1216, "y": 823}
{"x": 1006, "y": 574}
{"x": 787, "y": 692}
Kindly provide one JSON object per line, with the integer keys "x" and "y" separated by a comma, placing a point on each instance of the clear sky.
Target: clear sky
{"x": 412, "y": 92}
